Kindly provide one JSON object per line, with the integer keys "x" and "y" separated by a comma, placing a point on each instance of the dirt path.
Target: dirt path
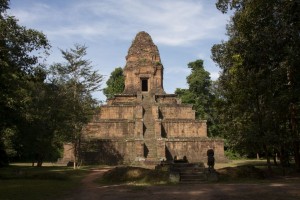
{"x": 276, "y": 191}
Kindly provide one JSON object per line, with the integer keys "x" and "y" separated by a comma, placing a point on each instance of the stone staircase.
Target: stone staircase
{"x": 149, "y": 133}
{"x": 190, "y": 173}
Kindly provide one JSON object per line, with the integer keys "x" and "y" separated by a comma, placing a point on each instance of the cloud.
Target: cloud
{"x": 170, "y": 22}
{"x": 177, "y": 70}
{"x": 183, "y": 30}
{"x": 35, "y": 13}
{"x": 214, "y": 75}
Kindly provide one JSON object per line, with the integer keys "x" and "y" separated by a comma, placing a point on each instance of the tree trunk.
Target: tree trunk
{"x": 297, "y": 155}
{"x": 283, "y": 159}
{"x": 39, "y": 163}
{"x": 75, "y": 154}
{"x": 75, "y": 126}
{"x": 275, "y": 156}
{"x": 295, "y": 134}
{"x": 293, "y": 117}
{"x": 76, "y": 151}
{"x": 269, "y": 163}
{"x": 275, "y": 159}
{"x": 268, "y": 160}
{"x": 39, "y": 158}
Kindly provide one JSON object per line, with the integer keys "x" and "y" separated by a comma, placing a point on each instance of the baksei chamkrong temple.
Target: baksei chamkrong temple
{"x": 144, "y": 124}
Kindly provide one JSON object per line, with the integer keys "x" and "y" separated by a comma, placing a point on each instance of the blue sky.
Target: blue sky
{"x": 183, "y": 30}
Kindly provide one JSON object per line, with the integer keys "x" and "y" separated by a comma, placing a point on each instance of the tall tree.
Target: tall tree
{"x": 19, "y": 55}
{"x": 38, "y": 132}
{"x": 115, "y": 83}
{"x": 78, "y": 80}
{"x": 199, "y": 84}
{"x": 260, "y": 76}
{"x": 200, "y": 94}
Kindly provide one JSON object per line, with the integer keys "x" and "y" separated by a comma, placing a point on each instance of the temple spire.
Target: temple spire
{"x": 143, "y": 71}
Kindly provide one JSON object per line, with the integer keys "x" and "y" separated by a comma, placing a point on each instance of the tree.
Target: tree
{"x": 20, "y": 50}
{"x": 198, "y": 92}
{"x": 199, "y": 84}
{"x": 115, "y": 83}
{"x": 200, "y": 95}
{"x": 260, "y": 76}
{"x": 37, "y": 134}
{"x": 77, "y": 80}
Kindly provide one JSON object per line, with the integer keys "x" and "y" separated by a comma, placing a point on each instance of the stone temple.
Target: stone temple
{"x": 144, "y": 124}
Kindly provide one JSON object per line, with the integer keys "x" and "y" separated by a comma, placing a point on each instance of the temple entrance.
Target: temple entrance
{"x": 144, "y": 85}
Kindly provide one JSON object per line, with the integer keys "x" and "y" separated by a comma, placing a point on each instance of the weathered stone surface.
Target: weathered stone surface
{"x": 184, "y": 128}
{"x": 177, "y": 112}
{"x": 143, "y": 66}
{"x": 68, "y": 154}
{"x": 194, "y": 148}
{"x": 145, "y": 125}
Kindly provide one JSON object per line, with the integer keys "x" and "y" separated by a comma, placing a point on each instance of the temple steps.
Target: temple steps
{"x": 151, "y": 148}
{"x": 190, "y": 173}
{"x": 192, "y": 177}
{"x": 149, "y": 133}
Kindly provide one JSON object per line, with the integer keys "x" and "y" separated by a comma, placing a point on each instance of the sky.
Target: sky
{"x": 183, "y": 30}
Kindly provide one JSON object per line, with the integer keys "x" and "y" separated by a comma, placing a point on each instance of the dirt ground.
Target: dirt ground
{"x": 277, "y": 190}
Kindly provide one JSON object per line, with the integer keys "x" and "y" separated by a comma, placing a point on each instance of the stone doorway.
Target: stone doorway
{"x": 144, "y": 83}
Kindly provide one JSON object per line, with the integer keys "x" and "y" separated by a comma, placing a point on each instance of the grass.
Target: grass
{"x": 245, "y": 173}
{"x": 236, "y": 163}
{"x": 22, "y": 181}
{"x": 134, "y": 176}
{"x": 255, "y": 171}
{"x": 236, "y": 171}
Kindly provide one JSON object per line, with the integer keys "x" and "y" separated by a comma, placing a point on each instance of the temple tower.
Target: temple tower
{"x": 143, "y": 71}
{"x": 144, "y": 124}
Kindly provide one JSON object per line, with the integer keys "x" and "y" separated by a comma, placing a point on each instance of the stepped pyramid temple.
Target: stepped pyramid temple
{"x": 144, "y": 124}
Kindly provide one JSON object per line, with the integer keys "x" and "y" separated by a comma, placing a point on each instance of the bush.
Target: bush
{"x": 231, "y": 155}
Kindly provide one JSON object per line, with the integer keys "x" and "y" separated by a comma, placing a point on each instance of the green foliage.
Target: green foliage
{"x": 20, "y": 53}
{"x": 198, "y": 92}
{"x": 224, "y": 5}
{"x": 260, "y": 76}
{"x": 202, "y": 95}
{"x": 38, "y": 133}
{"x": 185, "y": 95}
{"x": 40, "y": 108}
{"x": 3, "y": 5}
{"x": 115, "y": 83}
{"x": 231, "y": 155}
{"x": 76, "y": 81}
